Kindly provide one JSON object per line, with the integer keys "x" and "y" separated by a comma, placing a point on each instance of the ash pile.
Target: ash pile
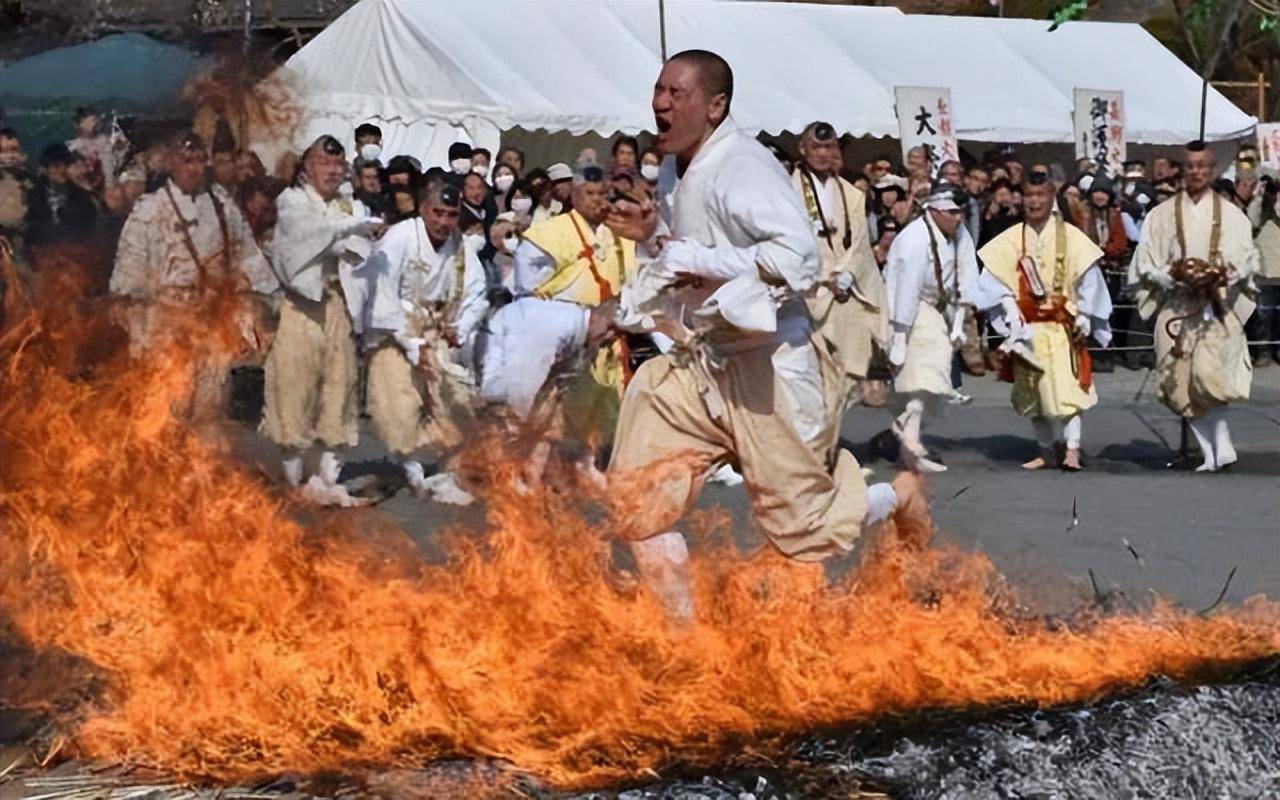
{"x": 1166, "y": 742}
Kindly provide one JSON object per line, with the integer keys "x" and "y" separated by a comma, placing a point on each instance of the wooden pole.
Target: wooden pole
{"x": 1262, "y": 96}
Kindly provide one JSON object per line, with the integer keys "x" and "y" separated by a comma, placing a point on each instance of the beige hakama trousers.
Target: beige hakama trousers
{"x": 807, "y": 496}
{"x": 1214, "y": 368}
{"x": 412, "y": 408}
{"x": 310, "y": 375}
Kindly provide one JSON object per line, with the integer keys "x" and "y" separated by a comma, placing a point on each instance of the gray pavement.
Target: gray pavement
{"x": 1188, "y": 530}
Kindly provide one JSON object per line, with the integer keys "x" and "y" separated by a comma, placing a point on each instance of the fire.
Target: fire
{"x": 238, "y": 640}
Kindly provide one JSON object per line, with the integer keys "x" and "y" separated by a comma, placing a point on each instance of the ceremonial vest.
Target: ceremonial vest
{"x": 588, "y": 270}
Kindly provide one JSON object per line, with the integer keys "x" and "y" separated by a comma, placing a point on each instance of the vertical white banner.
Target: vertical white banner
{"x": 1099, "y": 128}
{"x": 1269, "y": 144}
{"x": 924, "y": 120}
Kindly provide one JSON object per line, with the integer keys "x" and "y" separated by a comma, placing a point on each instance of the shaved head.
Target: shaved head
{"x": 714, "y": 73}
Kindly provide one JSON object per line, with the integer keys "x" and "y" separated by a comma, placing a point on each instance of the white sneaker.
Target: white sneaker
{"x": 958, "y": 399}
{"x": 444, "y": 488}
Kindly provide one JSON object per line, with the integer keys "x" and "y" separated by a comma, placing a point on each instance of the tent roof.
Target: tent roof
{"x": 590, "y": 67}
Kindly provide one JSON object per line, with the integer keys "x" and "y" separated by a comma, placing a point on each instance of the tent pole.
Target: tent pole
{"x": 1204, "y": 100}
{"x": 662, "y": 28}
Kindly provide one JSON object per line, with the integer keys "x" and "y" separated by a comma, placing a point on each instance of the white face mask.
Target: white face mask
{"x": 480, "y": 169}
{"x": 510, "y": 244}
{"x": 370, "y": 151}
{"x": 503, "y": 182}
{"x": 460, "y": 166}
{"x": 473, "y": 241}
{"x": 650, "y": 171}
{"x": 521, "y": 205}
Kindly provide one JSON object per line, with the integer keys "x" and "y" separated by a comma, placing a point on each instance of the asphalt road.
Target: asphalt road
{"x": 1188, "y": 530}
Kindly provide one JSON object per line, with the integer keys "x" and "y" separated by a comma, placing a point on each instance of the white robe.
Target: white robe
{"x": 740, "y": 222}
{"x": 912, "y": 288}
{"x": 314, "y": 241}
{"x": 405, "y": 275}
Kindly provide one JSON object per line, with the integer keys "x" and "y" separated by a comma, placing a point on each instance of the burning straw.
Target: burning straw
{"x": 236, "y": 641}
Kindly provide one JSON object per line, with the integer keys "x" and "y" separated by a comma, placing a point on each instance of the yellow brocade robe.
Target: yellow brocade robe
{"x": 590, "y": 405}
{"x": 1055, "y": 393}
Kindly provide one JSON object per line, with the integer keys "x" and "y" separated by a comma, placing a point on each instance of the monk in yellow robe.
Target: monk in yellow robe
{"x": 1043, "y": 288}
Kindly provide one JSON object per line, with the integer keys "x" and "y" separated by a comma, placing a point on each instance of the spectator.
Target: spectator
{"x": 1014, "y": 169}
{"x": 59, "y": 210}
{"x": 520, "y": 201}
{"x": 249, "y": 166}
{"x": 561, "y": 192}
{"x": 877, "y": 169}
{"x": 513, "y": 157}
{"x": 224, "y": 166}
{"x": 476, "y": 215}
{"x": 460, "y": 158}
{"x": 481, "y": 158}
{"x": 951, "y": 172}
{"x": 16, "y": 186}
{"x": 1003, "y": 211}
{"x": 539, "y": 188}
{"x": 368, "y": 142}
{"x": 784, "y": 158}
{"x": 93, "y": 144}
{"x": 1115, "y": 233}
{"x": 504, "y": 177}
{"x": 369, "y": 189}
{"x": 918, "y": 164}
{"x": 402, "y": 171}
{"x": 1264, "y": 326}
{"x": 257, "y": 200}
{"x": 650, "y": 166}
{"x": 404, "y": 202}
{"x": 626, "y": 150}
{"x": 976, "y": 181}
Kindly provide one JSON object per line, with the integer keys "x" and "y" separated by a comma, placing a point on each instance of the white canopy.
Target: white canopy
{"x": 434, "y": 71}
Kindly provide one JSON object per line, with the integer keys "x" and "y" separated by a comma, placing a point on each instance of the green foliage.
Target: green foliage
{"x": 1071, "y": 11}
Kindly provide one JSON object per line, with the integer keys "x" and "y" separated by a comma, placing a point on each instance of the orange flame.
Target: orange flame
{"x": 238, "y": 640}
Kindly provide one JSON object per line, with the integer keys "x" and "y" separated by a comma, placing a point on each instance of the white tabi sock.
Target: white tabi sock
{"x": 1223, "y": 448}
{"x": 293, "y": 470}
{"x": 663, "y": 561}
{"x": 329, "y": 468}
{"x": 881, "y": 501}
{"x": 1073, "y": 431}
{"x": 1203, "y": 429}
{"x": 908, "y": 425}
{"x": 414, "y": 474}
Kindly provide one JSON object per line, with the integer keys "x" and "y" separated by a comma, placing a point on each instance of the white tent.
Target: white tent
{"x": 434, "y": 71}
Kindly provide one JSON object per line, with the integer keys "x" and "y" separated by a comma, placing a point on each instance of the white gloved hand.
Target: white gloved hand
{"x": 412, "y": 347}
{"x": 361, "y": 226}
{"x": 898, "y": 348}
{"x": 1083, "y": 326}
{"x": 1164, "y": 280}
{"x": 1013, "y": 318}
{"x": 842, "y": 285}
{"x": 957, "y": 329}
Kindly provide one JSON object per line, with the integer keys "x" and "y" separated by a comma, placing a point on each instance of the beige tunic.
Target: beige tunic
{"x": 850, "y": 329}
{"x": 1212, "y": 366}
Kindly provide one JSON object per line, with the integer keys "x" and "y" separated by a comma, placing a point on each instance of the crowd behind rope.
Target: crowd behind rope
{"x": 78, "y": 199}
